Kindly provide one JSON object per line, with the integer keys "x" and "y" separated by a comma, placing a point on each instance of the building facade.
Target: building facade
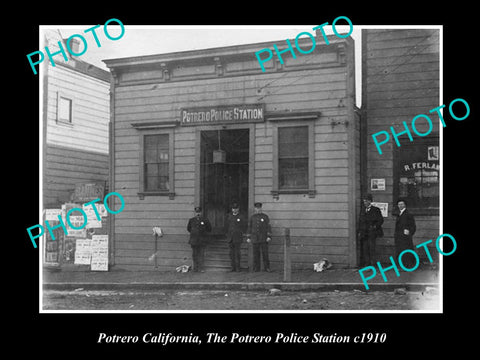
{"x": 208, "y": 127}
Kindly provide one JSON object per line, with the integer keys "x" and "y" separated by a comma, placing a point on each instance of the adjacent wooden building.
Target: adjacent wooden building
{"x": 401, "y": 79}
{"x": 208, "y": 127}
{"x": 76, "y": 111}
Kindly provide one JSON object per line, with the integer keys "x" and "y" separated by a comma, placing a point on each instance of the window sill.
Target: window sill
{"x": 276, "y": 193}
{"x": 141, "y": 195}
{"x": 65, "y": 123}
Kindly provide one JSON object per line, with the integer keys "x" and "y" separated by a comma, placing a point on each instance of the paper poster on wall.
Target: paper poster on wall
{"x": 383, "y": 208}
{"x": 83, "y": 251}
{"x": 52, "y": 214}
{"x": 99, "y": 248}
{"x": 92, "y": 220}
{"x": 75, "y": 218}
{"x": 432, "y": 153}
{"x": 377, "y": 184}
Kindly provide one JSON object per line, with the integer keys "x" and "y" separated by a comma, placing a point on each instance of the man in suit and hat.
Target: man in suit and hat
{"x": 370, "y": 227}
{"x": 236, "y": 225}
{"x": 405, "y": 228}
{"x": 260, "y": 234}
{"x": 198, "y": 227}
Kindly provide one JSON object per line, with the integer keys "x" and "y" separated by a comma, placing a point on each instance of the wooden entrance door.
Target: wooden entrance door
{"x": 224, "y": 178}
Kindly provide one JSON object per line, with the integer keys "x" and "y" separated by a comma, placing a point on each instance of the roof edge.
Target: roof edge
{"x": 189, "y": 55}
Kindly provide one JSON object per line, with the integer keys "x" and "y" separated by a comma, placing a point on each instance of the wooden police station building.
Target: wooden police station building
{"x": 208, "y": 127}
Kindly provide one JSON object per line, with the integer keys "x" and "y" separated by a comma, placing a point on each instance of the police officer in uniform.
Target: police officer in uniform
{"x": 370, "y": 227}
{"x": 198, "y": 227}
{"x": 235, "y": 228}
{"x": 259, "y": 234}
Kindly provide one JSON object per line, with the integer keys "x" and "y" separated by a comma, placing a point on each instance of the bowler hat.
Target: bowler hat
{"x": 368, "y": 197}
{"x": 198, "y": 208}
{"x": 257, "y": 205}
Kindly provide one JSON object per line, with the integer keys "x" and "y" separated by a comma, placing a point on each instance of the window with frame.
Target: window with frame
{"x": 293, "y": 154}
{"x": 156, "y": 162}
{"x": 64, "y": 109}
{"x": 293, "y": 157}
{"x": 418, "y": 174}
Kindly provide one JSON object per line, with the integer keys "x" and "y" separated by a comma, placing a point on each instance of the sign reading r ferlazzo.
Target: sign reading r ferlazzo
{"x": 223, "y": 114}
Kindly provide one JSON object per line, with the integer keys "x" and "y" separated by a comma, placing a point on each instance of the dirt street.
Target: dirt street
{"x": 81, "y": 299}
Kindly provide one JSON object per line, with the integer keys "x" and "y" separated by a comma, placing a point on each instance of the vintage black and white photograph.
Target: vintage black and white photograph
{"x": 238, "y": 168}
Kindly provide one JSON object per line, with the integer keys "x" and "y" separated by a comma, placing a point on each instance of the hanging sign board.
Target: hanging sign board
{"x": 230, "y": 114}
{"x": 88, "y": 192}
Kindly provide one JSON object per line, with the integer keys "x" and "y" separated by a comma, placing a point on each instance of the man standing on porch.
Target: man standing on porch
{"x": 259, "y": 233}
{"x": 235, "y": 228}
{"x": 198, "y": 227}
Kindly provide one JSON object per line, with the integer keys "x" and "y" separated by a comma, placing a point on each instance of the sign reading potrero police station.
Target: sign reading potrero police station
{"x": 223, "y": 114}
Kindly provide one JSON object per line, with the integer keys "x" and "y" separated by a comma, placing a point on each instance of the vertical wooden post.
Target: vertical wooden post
{"x": 250, "y": 257}
{"x": 156, "y": 249}
{"x": 287, "y": 261}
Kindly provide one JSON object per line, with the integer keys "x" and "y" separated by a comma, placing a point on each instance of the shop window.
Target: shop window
{"x": 156, "y": 163}
{"x": 293, "y": 158}
{"x": 417, "y": 177}
{"x": 64, "y": 109}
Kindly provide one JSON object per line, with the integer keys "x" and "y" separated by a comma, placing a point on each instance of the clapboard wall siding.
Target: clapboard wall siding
{"x": 163, "y": 102}
{"x": 312, "y": 210}
{"x": 65, "y": 167}
{"x": 280, "y": 80}
{"x": 129, "y": 104}
{"x": 90, "y": 114}
{"x": 275, "y": 82}
{"x": 403, "y": 88}
{"x": 401, "y": 75}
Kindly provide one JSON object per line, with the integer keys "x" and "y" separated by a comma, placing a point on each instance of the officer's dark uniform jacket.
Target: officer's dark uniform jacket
{"x": 198, "y": 227}
{"x": 259, "y": 228}
{"x": 235, "y": 227}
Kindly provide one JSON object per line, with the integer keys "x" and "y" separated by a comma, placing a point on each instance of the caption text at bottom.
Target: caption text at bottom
{"x": 236, "y": 338}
